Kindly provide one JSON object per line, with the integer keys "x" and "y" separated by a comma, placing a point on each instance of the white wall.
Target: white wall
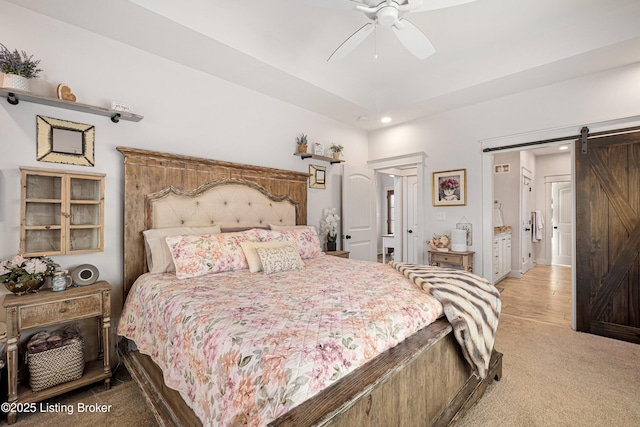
{"x": 185, "y": 111}
{"x": 451, "y": 139}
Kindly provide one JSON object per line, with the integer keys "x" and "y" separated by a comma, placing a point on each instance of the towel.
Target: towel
{"x": 497, "y": 218}
{"x": 538, "y": 226}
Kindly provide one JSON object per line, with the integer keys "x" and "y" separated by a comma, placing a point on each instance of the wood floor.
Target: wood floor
{"x": 542, "y": 294}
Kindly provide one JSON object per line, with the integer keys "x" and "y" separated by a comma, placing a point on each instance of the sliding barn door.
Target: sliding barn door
{"x": 608, "y": 237}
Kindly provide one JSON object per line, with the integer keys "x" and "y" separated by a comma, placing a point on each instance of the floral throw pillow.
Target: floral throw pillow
{"x": 306, "y": 241}
{"x": 209, "y": 253}
{"x": 275, "y": 260}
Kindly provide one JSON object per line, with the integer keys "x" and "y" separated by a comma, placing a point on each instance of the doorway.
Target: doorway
{"x": 409, "y": 205}
{"x": 526, "y": 224}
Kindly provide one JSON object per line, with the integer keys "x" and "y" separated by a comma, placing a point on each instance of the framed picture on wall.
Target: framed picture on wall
{"x": 450, "y": 188}
{"x": 318, "y": 176}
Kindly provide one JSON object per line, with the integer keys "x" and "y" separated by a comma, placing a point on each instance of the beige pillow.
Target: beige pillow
{"x": 158, "y": 254}
{"x": 275, "y": 260}
{"x": 253, "y": 259}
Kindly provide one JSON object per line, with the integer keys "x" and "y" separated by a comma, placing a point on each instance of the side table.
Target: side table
{"x": 340, "y": 254}
{"x": 462, "y": 259}
{"x": 47, "y": 308}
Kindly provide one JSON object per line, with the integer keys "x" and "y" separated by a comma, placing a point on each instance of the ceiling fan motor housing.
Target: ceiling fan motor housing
{"x": 388, "y": 15}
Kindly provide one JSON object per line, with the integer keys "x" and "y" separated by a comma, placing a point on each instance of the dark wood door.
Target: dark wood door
{"x": 608, "y": 237}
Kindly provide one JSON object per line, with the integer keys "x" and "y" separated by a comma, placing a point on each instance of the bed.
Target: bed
{"x": 420, "y": 379}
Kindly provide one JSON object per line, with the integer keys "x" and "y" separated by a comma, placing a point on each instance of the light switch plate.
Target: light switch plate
{"x": 442, "y": 216}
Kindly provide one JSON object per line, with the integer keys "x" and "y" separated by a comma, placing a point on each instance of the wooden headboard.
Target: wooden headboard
{"x": 147, "y": 172}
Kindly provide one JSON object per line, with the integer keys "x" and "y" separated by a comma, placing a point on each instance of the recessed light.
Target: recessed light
{"x": 385, "y": 119}
{"x": 564, "y": 147}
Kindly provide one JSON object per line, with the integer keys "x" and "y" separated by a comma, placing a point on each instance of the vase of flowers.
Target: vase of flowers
{"x": 440, "y": 243}
{"x": 18, "y": 68}
{"x": 22, "y": 275}
{"x": 329, "y": 226}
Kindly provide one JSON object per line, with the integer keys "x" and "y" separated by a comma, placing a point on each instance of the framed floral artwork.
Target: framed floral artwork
{"x": 450, "y": 188}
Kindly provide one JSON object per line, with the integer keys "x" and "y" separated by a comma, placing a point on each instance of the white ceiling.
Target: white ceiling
{"x": 484, "y": 49}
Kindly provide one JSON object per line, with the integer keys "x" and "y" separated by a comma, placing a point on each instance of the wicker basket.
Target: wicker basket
{"x": 56, "y": 366}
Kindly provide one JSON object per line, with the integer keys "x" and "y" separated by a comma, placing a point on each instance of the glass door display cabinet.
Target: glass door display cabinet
{"x": 62, "y": 212}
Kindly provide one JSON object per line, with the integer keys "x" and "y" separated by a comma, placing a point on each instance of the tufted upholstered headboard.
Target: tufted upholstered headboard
{"x": 228, "y": 203}
{"x": 148, "y": 174}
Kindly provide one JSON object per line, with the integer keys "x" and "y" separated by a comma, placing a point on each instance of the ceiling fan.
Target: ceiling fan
{"x": 389, "y": 13}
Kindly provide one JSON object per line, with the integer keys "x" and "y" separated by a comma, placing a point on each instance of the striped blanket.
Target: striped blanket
{"x": 471, "y": 304}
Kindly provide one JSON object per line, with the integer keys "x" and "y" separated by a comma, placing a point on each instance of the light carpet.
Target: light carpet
{"x": 554, "y": 376}
{"x": 128, "y": 407}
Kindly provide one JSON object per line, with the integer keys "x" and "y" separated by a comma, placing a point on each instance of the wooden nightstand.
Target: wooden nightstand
{"x": 340, "y": 254}
{"x": 463, "y": 259}
{"x": 47, "y": 308}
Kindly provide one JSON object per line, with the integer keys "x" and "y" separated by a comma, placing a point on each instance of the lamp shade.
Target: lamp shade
{"x": 458, "y": 240}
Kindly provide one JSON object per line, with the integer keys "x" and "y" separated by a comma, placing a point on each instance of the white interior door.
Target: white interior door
{"x": 525, "y": 221}
{"x": 412, "y": 228}
{"x": 561, "y": 241}
{"x": 359, "y": 230}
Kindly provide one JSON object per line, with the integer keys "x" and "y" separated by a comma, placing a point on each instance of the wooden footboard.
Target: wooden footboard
{"x": 422, "y": 381}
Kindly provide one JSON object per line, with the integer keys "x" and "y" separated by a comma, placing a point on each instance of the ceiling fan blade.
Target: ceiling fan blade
{"x": 331, "y": 4}
{"x": 352, "y": 42}
{"x": 413, "y": 39}
{"x": 434, "y": 4}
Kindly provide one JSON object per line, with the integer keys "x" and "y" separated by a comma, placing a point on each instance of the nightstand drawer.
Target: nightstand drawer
{"x": 446, "y": 258}
{"x": 59, "y": 311}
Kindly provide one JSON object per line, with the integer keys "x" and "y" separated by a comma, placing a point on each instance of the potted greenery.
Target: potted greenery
{"x": 336, "y": 150}
{"x": 302, "y": 142}
{"x": 18, "y": 68}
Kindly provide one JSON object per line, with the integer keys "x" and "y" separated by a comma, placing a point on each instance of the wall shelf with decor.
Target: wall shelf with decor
{"x": 318, "y": 157}
{"x": 15, "y": 96}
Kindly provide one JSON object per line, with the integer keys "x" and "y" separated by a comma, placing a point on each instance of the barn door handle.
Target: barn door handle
{"x": 555, "y": 228}
{"x": 527, "y": 229}
{"x": 409, "y": 231}
{"x": 347, "y": 236}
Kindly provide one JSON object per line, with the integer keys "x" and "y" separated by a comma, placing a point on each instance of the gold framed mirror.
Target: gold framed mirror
{"x": 62, "y": 141}
{"x": 318, "y": 176}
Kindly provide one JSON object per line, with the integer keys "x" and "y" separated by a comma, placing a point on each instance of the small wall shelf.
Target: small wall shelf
{"x": 15, "y": 96}
{"x": 317, "y": 157}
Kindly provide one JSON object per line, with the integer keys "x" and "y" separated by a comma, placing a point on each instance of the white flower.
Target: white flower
{"x": 4, "y": 268}
{"x": 16, "y": 261}
{"x": 329, "y": 223}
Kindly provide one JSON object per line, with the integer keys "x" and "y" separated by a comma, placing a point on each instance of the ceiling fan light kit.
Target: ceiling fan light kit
{"x": 389, "y": 13}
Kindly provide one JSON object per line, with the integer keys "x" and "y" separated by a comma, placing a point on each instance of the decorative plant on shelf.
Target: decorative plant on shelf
{"x": 336, "y": 149}
{"x": 329, "y": 226}
{"x": 21, "y": 274}
{"x": 302, "y": 142}
{"x": 439, "y": 243}
{"x": 18, "y": 67}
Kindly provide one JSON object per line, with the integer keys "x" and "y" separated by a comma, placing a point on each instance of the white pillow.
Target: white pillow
{"x": 253, "y": 259}
{"x": 158, "y": 254}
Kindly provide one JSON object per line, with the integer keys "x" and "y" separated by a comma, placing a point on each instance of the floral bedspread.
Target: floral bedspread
{"x": 243, "y": 348}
